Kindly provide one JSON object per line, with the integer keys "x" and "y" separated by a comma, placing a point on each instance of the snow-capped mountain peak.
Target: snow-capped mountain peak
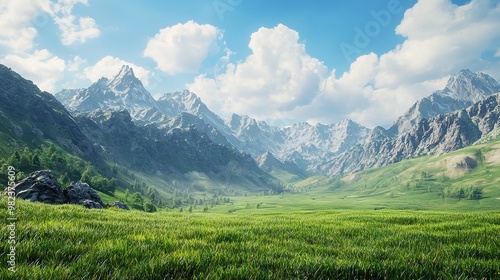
{"x": 462, "y": 90}
{"x": 125, "y": 80}
{"x": 124, "y": 91}
{"x": 468, "y": 86}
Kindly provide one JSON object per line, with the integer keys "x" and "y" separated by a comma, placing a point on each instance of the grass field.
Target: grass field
{"x": 384, "y": 223}
{"x": 70, "y": 242}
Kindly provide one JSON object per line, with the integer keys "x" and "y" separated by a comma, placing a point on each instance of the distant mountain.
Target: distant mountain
{"x": 312, "y": 145}
{"x": 462, "y": 90}
{"x": 304, "y": 144}
{"x": 255, "y": 137}
{"x": 177, "y": 152}
{"x": 173, "y": 104}
{"x": 270, "y": 164}
{"x": 438, "y": 135}
{"x": 30, "y": 117}
{"x": 124, "y": 91}
{"x": 180, "y": 152}
{"x": 436, "y": 124}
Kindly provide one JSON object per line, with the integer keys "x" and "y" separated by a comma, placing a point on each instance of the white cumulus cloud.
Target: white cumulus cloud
{"x": 18, "y": 20}
{"x": 182, "y": 48}
{"x": 277, "y": 77}
{"x": 42, "y": 67}
{"x": 280, "y": 80}
{"x": 109, "y": 66}
{"x": 440, "y": 38}
{"x": 73, "y": 29}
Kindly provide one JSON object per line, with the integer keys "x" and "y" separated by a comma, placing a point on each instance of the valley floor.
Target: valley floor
{"x": 70, "y": 242}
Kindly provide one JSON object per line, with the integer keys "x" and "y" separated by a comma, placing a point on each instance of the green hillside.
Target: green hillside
{"x": 433, "y": 181}
{"x": 445, "y": 182}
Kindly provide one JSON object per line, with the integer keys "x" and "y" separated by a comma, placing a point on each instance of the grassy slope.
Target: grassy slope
{"x": 398, "y": 186}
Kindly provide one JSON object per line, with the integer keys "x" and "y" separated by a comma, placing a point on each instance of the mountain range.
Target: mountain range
{"x": 177, "y": 137}
{"x": 326, "y": 149}
{"x": 103, "y": 136}
{"x": 306, "y": 145}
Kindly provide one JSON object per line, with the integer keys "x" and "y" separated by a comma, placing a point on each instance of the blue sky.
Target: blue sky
{"x": 279, "y": 61}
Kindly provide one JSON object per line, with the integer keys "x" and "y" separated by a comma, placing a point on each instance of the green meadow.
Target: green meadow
{"x": 70, "y": 242}
{"x": 404, "y": 221}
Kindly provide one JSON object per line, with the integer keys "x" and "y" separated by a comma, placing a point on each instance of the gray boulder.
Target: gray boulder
{"x": 90, "y": 204}
{"x": 120, "y": 205}
{"x": 40, "y": 186}
{"x": 82, "y": 193}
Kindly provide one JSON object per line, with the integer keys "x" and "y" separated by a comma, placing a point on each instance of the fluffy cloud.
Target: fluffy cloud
{"x": 73, "y": 30}
{"x": 441, "y": 38}
{"x": 280, "y": 80}
{"x": 18, "y": 20}
{"x": 42, "y": 67}
{"x": 183, "y": 47}
{"x": 110, "y": 66}
{"x": 277, "y": 77}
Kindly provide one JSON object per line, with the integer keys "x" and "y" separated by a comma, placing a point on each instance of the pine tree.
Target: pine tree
{"x": 127, "y": 193}
{"x": 35, "y": 162}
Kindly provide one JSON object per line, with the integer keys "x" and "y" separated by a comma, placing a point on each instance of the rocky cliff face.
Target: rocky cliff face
{"x": 462, "y": 90}
{"x": 438, "y": 135}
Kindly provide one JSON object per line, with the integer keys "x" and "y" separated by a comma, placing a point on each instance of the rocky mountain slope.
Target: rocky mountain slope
{"x": 29, "y": 117}
{"x": 438, "y": 135}
{"x": 462, "y": 90}
{"x": 172, "y": 153}
{"x": 304, "y": 144}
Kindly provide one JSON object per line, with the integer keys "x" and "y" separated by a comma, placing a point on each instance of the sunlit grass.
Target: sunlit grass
{"x": 65, "y": 242}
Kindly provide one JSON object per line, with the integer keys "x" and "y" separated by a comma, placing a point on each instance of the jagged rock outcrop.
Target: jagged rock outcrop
{"x": 40, "y": 186}
{"x": 82, "y": 193}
